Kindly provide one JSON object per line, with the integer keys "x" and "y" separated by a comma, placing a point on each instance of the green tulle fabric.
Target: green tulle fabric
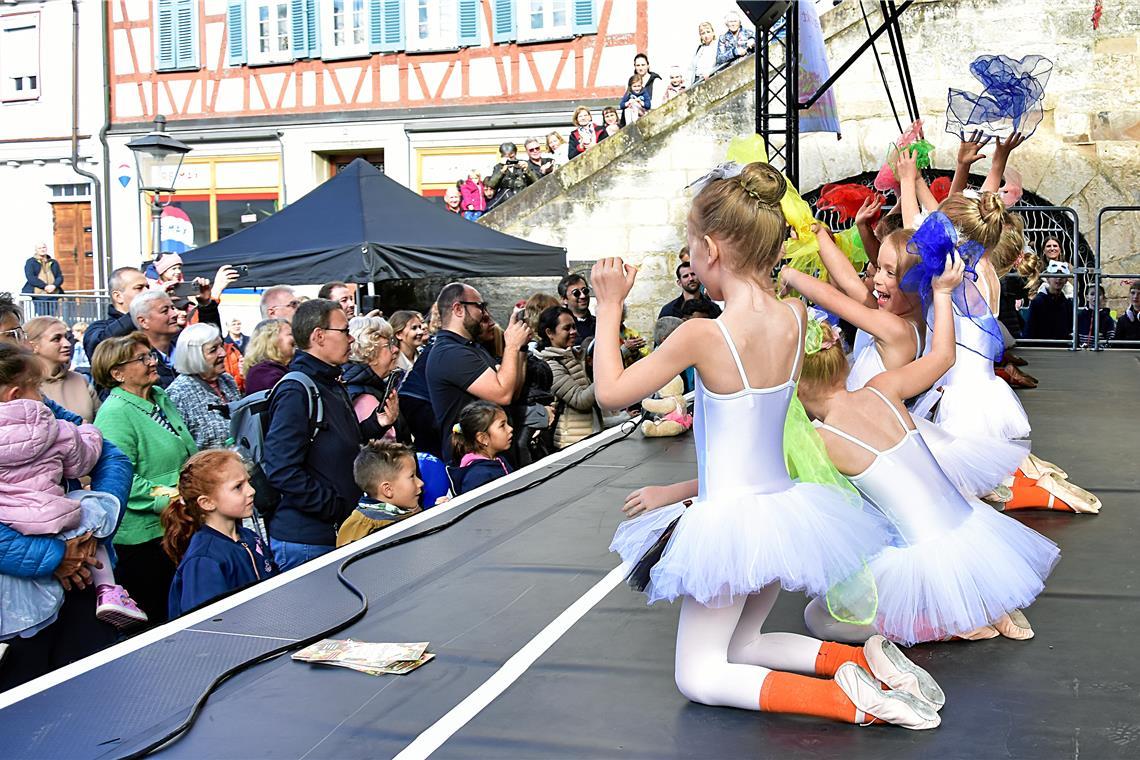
{"x": 855, "y": 599}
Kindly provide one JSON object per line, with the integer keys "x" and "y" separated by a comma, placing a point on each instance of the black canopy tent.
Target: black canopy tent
{"x": 361, "y": 226}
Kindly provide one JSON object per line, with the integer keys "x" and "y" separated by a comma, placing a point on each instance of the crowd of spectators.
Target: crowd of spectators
{"x": 645, "y": 90}
{"x": 448, "y": 394}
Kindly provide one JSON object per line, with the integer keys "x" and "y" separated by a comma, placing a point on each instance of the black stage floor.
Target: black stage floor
{"x": 542, "y": 652}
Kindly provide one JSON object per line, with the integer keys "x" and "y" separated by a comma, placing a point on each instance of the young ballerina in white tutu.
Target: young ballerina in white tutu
{"x": 751, "y": 528}
{"x": 889, "y": 337}
{"x": 955, "y": 565}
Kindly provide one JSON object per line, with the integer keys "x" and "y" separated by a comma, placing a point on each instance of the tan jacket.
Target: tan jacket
{"x": 575, "y": 391}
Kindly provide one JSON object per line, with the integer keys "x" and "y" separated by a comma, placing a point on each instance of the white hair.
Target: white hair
{"x": 188, "y": 356}
{"x": 368, "y": 335}
{"x": 269, "y": 293}
{"x": 144, "y": 302}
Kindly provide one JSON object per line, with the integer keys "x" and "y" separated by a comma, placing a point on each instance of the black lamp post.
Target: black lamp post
{"x": 158, "y": 158}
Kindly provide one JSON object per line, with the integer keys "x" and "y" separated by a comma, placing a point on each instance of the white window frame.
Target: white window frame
{"x": 28, "y": 72}
{"x": 254, "y": 54}
{"x": 528, "y": 33}
{"x": 349, "y": 48}
{"x": 445, "y": 36}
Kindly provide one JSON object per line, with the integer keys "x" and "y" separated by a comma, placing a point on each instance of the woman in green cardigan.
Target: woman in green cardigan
{"x": 143, "y": 422}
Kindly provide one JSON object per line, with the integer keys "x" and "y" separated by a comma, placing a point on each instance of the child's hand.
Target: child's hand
{"x": 868, "y": 213}
{"x": 612, "y": 279}
{"x": 1003, "y": 149}
{"x": 906, "y": 169}
{"x": 951, "y": 276}
{"x": 969, "y": 151}
{"x": 442, "y": 500}
{"x": 643, "y": 500}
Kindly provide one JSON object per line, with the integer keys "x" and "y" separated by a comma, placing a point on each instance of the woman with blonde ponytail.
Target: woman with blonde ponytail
{"x": 203, "y": 534}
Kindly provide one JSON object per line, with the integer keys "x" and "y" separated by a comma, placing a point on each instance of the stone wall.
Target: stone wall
{"x": 627, "y": 197}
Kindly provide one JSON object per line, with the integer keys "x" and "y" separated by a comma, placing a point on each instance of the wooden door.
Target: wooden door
{"x": 72, "y": 245}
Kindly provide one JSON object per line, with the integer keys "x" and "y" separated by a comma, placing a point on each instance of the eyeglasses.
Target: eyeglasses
{"x": 337, "y": 329}
{"x": 480, "y": 305}
{"x": 579, "y": 292}
{"x": 394, "y": 344}
{"x": 535, "y": 149}
{"x": 16, "y": 333}
{"x": 291, "y": 305}
{"x": 141, "y": 359}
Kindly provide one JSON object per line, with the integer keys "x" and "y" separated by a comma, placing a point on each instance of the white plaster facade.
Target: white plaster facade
{"x": 35, "y": 133}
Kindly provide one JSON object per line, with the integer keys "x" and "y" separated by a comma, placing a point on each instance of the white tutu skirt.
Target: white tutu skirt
{"x": 808, "y": 538}
{"x": 974, "y": 465}
{"x": 979, "y": 404}
{"x": 966, "y": 578}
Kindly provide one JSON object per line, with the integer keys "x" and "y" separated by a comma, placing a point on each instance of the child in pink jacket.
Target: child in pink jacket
{"x": 472, "y": 200}
{"x": 37, "y": 453}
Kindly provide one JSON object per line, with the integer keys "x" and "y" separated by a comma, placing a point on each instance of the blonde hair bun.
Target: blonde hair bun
{"x": 763, "y": 182}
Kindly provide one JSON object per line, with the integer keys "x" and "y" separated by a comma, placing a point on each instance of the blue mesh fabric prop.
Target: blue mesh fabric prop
{"x": 932, "y": 242}
{"x": 1012, "y": 100}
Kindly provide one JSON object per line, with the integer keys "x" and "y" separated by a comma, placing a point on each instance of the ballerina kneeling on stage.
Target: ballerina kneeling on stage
{"x": 954, "y": 565}
{"x": 751, "y": 529}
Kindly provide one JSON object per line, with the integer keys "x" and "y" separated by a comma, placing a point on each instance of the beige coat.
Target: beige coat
{"x": 72, "y": 391}
{"x": 574, "y": 390}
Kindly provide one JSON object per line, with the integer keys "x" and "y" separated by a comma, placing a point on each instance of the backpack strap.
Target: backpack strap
{"x": 312, "y": 395}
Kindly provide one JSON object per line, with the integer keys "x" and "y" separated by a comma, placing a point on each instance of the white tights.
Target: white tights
{"x": 820, "y": 622}
{"x": 723, "y": 658}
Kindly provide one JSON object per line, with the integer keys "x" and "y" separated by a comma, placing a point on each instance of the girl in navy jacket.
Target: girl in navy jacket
{"x": 477, "y": 441}
{"x": 202, "y": 532}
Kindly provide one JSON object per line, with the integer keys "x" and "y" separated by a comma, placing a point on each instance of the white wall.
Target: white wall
{"x": 25, "y": 214}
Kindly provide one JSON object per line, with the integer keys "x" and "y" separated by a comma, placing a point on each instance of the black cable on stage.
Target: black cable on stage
{"x": 226, "y": 675}
{"x": 882, "y": 73}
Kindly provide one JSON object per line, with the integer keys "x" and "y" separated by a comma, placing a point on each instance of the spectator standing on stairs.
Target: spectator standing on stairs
{"x": 704, "y": 58}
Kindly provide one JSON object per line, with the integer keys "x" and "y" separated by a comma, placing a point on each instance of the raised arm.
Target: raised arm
{"x": 1001, "y": 160}
{"x": 917, "y": 376}
{"x": 883, "y": 325}
{"x": 907, "y": 170}
{"x": 840, "y": 268}
{"x": 969, "y": 153}
{"x": 616, "y": 387}
{"x": 865, "y": 219}
{"x": 926, "y": 200}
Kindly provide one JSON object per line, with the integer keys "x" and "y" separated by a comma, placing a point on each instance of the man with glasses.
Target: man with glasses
{"x": 313, "y": 473}
{"x": 460, "y": 370}
{"x": 124, "y": 285}
{"x": 279, "y": 302}
{"x": 534, "y": 158}
{"x": 575, "y": 295}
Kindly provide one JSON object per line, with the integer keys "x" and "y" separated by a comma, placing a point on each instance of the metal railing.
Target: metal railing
{"x": 1099, "y": 274}
{"x": 1041, "y": 221}
{"x": 70, "y": 307}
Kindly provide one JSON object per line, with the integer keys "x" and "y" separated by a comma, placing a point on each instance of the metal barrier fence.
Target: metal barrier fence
{"x": 1099, "y": 274}
{"x": 70, "y": 307}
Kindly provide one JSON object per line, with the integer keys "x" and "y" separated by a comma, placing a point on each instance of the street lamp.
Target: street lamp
{"x": 158, "y": 158}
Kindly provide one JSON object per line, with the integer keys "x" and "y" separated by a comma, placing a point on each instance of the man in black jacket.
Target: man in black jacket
{"x": 313, "y": 474}
{"x": 125, "y": 284}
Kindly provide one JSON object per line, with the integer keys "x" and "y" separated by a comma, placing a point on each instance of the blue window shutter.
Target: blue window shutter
{"x": 298, "y": 40}
{"x": 585, "y": 22}
{"x": 164, "y": 51}
{"x": 313, "y": 27}
{"x": 468, "y": 16}
{"x": 235, "y": 32}
{"x": 503, "y": 13}
{"x": 375, "y": 26}
{"x": 186, "y": 34}
{"x": 392, "y": 26}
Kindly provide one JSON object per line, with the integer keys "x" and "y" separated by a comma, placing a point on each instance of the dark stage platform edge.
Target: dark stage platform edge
{"x": 542, "y": 652}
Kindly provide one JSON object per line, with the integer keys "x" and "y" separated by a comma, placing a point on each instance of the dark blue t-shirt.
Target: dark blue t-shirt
{"x": 452, "y": 366}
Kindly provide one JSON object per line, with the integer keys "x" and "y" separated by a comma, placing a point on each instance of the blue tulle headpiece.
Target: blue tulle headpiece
{"x": 1011, "y": 101}
{"x": 932, "y": 242}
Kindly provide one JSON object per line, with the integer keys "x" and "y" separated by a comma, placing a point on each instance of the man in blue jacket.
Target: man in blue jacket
{"x": 76, "y": 633}
{"x": 313, "y": 474}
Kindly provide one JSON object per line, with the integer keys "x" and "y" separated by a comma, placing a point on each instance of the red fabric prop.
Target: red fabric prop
{"x": 940, "y": 188}
{"x": 844, "y": 199}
